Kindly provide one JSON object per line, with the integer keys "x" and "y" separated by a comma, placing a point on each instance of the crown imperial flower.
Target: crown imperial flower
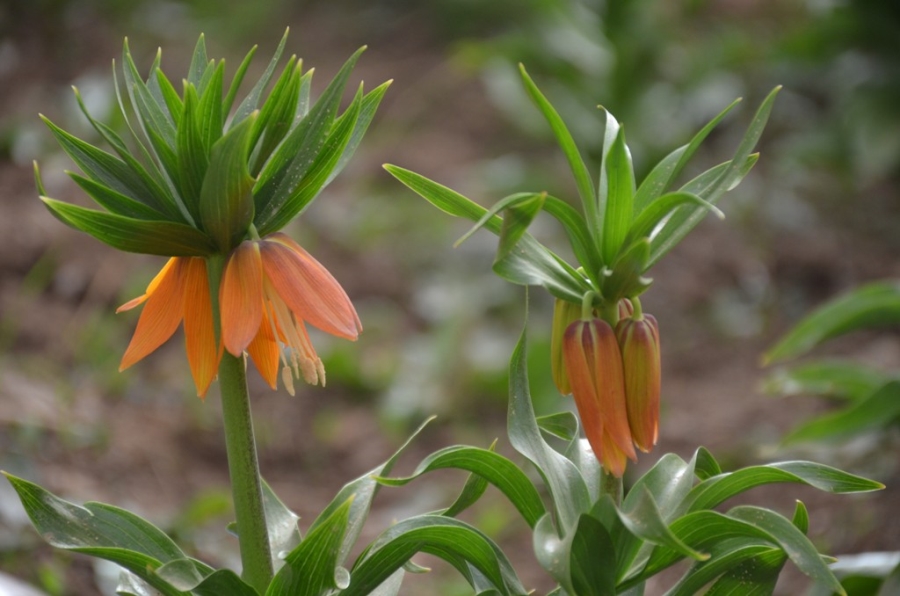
{"x": 639, "y": 341}
{"x": 594, "y": 367}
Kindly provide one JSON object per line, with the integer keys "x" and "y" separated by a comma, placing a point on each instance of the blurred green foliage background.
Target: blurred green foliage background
{"x": 819, "y": 214}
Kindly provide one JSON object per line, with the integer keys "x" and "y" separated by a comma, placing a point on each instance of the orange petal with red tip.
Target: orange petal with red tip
{"x": 241, "y": 298}
{"x": 264, "y": 351}
{"x": 307, "y": 287}
{"x": 162, "y": 313}
{"x": 199, "y": 333}
{"x": 150, "y": 288}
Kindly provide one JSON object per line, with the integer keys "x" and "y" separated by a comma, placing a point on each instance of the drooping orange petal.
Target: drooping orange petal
{"x": 162, "y": 313}
{"x": 150, "y": 288}
{"x": 610, "y": 388}
{"x": 241, "y": 297}
{"x": 308, "y": 288}
{"x": 264, "y": 351}
{"x": 199, "y": 333}
{"x": 612, "y": 458}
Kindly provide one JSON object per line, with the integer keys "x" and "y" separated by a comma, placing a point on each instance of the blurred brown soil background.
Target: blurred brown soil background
{"x": 438, "y": 327}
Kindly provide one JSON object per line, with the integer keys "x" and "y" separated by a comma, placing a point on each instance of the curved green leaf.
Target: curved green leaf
{"x": 644, "y": 224}
{"x": 115, "y": 202}
{"x": 564, "y": 481}
{"x": 755, "y": 576}
{"x": 718, "y": 489}
{"x": 445, "y": 537}
{"x": 100, "y": 530}
{"x": 248, "y": 105}
{"x": 367, "y": 110}
{"x": 164, "y": 238}
{"x": 726, "y": 556}
{"x": 503, "y": 204}
{"x": 872, "y": 305}
{"x": 277, "y": 113}
{"x": 493, "y": 467}
{"x": 829, "y": 378}
{"x": 192, "y": 154}
{"x": 313, "y": 567}
{"x": 584, "y": 562}
{"x": 797, "y": 546}
{"x": 616, "y": 196}
{"x": 626, "y": 278}
{"x": 586, "y": 252}
{"x": 281, "y": 526}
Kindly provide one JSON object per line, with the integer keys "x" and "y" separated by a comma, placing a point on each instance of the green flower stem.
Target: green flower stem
{"x": 243, "y": 467}
{"x": 240, "y": 445}
{"x": 612, "y": 486}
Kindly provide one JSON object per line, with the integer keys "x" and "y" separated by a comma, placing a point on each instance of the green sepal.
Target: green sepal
{"x": 872, "y": 305}
{"x": 495, "y": 468}
{"x": 287, "y": 167}
{"x": 616, "y": 194}
{"x": 454, "y": 541}
{"x": 313, "y": 568}
{"x": 315, "y": 174}
{"x": 163, "y": 238}
{"x": 226, "y": 202}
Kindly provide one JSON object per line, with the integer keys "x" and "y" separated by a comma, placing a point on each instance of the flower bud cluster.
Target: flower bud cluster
{"x": 614, "y": 376}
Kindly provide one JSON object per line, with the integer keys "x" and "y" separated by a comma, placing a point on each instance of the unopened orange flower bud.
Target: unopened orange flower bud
{"x": 626, "y": 308}
{"x": 564, "y": 313}
{"x": 594, "y": 367}
{"x": 639, "y": 342}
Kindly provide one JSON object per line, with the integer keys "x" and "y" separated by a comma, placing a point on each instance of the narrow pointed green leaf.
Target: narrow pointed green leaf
{"x": 755, "y": 576}
{"x": 303, "y": 102}
{"x": 684, "y": 220}
{"x": 643, "y": 519}
{"x": 531, "y": 264}
{"x": 472, "y": 490}
{"x": 445, "y": 537}
{"x": 101, "y": 531}
{"x": 878, "y": 410}
{"x": 192, "y": 154}
{"x": 248, "y": 105}
{"x": 662, "y": 207}
{"x": 516, "y": 219}
{"x": 312, "y": 568}
{"x": 226, "y": 203}
{"x": 830, "y": 378}
{"x": 276, "y": 117}
{"x": 362, "y": 491}
{"x": 150, "y": 111}
{"x": 726, "y": 556}
{"x": 210, "y": 118}
{"x": 666, "y": 171}
{"x": 495, "y": 468}
{"x": 314, "y": 177}
{"x": 497, "y": 208}
{"x": 586, "y": 252}
{"x": 872, "y": 305}
{"x": 705, "y": 465}
{"x": 801, "y": 517}
{"x": 563, "y": 480}
{"x": 199, "y": 60}
{"x": 616, "y": 196}
{"x": 115, "y": 202}
{"x": 228, "y": 102}
{"x": 797, "y": 546}
{"x": 370, "y": 103}
{"x": 174, "y": 102}
{"x": 583, "y": 562}
{"x": 718, "y": 489}
{"x": 289, "y": 164}
{"x": 105, "y": 169}
{"x": 567, "y": 144}
{"x": 164, "y": 238}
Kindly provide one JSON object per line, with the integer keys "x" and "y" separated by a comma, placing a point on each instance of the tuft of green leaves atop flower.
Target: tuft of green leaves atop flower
{"x": 200, "y": 171}
{"x": 622, "y": 229}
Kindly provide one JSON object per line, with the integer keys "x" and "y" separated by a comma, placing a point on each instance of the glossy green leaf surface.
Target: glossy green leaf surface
{"x": 164, "y": 238}
{"x": 872, "y": 305}
{"x": 493, "y": 467}
{"x": 617, "y": 196}
{"x": 281, "y": 523}
{"x": 583, "y": 562}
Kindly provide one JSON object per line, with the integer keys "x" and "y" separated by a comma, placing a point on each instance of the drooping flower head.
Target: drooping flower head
{"x": 210, "y": 186}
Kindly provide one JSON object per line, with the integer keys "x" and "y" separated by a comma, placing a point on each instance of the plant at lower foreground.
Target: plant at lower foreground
{"x": 594, "y": 539}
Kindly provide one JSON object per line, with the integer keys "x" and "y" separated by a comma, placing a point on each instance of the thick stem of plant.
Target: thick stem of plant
{"x": 243, "y": 467}
{"x": 612, "y": 486}
{"x": 240, "y": 446}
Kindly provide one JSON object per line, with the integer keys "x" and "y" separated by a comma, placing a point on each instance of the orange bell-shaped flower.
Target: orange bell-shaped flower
{"x": 639, "y": 342}
{"x": 594, "y": 367}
